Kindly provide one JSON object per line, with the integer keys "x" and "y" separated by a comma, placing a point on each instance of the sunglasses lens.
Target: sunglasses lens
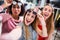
{"x": 14, "y": 3}
{"x": 34, "y": 13}
{"x": 19, "y": 4}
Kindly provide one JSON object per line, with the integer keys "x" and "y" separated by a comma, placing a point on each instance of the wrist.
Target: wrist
{"x": 43, "y": 23}
{"x": 4, "y": 5}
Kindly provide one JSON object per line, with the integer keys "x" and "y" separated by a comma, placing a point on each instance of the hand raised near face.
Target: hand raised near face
{"x": 41, "y": 19}
{"x": 8, "y": 2}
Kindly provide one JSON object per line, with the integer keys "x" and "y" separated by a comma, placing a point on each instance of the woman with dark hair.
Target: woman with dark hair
{"x": 11, "y": 19}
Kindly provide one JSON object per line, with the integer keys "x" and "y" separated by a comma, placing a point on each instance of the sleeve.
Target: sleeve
{"x": 11, "y": 25}
{"x": 15, "y": 34}
{"x": 5, "y": 17}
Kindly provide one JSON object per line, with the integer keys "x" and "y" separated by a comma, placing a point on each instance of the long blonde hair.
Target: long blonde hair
{"x": 49, "y": 21}
{"x": 32, "y": 24}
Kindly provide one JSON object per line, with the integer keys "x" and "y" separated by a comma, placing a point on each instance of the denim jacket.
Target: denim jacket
{"x": 33, "y": 33}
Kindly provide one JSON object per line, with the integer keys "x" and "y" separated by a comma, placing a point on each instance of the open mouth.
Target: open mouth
{"x": 27, "y": 21}
{"x": 15, "y": 12}
{"x": 46, "y": 15}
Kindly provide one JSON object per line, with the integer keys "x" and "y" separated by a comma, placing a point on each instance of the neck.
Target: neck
{"x": 15, "y": 17}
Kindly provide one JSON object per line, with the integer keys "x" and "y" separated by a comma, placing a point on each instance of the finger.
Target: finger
{"x": 36, "y": 9}
{"x": 5, "y": 1}
{"x": 10, "y": 1}
{"x": 39, "y": 12}
{"x": 39, "y": 15}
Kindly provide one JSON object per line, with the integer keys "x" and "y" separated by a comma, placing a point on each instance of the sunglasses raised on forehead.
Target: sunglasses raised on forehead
{"x": 33, "y": 12}
{"x": 19, "y": 3}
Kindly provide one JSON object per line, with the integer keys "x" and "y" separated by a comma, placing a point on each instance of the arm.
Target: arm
{"x": 42, "y": 32}
{"x": 6, "y": 3}
{"x": 15, "y": 34}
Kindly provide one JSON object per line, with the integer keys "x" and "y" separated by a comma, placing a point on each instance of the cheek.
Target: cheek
{"x": 32, "y": 19}
{"x": 25, "y": 18}
{"x": 12, "y": 10}
{"x": 50, "y": 14}
{"x": 19, "y": 10}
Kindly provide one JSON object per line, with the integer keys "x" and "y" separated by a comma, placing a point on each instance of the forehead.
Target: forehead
{"x": 48, "y": 7}
{"x": 31, "y": 13}
{"x": 15, "y": 5}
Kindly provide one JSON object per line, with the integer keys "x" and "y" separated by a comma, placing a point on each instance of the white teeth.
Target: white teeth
{"x": 46, "y": 14}
{"x": 27, "y": 21}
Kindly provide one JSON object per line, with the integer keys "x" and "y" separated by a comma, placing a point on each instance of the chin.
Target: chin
{"x": 27, "y": 24}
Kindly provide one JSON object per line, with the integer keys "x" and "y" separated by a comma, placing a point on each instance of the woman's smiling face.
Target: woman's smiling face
{"x": 47, "y": 11}
{"x": 16, "y": 10}
{"x": 29, "y": 18}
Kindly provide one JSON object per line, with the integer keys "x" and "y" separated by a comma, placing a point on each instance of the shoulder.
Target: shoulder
{"x": 6, "y": 17}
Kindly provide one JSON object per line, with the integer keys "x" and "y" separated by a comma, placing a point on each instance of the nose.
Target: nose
{"x": 29, "y": 18}
{"x": 16, "y": 9}
{"x": 47, "y": 11}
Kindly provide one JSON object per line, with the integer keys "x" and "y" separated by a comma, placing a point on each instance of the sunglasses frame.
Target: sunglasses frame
{"x": 14, "y": 3}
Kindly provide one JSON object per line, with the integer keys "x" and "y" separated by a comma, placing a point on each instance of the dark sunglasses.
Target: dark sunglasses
{"x": 33, "y": 11}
